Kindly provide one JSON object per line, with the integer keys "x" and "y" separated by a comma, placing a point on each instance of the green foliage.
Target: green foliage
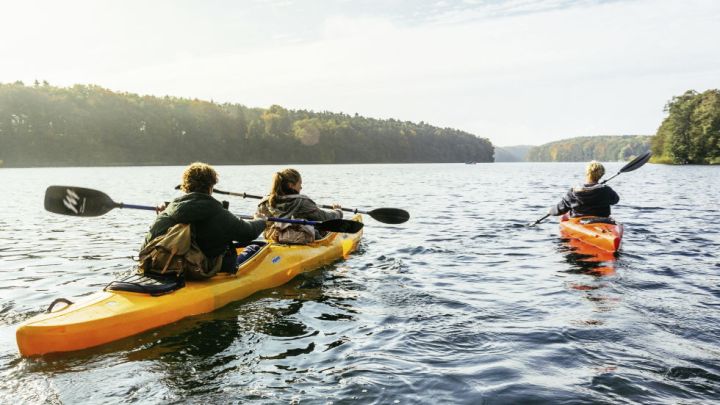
{"x": 691, "y": 131}
{"x": 43, "y": 125}
{"x": 583, "y": 149}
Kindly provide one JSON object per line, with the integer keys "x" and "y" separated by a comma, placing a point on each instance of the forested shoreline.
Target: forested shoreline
{"x": 586, "y": 148}
{"x": 690, "y": 134}
{"x": 87, "y": 125}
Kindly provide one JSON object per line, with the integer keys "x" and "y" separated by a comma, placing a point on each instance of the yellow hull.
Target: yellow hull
{"x": 111, "y": 315}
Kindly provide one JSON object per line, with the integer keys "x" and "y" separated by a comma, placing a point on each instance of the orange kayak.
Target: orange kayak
{"x": 600, "y": 232}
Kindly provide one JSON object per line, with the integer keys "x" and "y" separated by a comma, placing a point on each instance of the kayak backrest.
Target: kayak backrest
{"x": 139, "y": 283}
{"x": 597, "y": 220}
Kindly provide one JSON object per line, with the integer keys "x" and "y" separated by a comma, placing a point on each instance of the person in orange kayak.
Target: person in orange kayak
{"x": 590, "y": 199}
{"x": 285, "y": 201}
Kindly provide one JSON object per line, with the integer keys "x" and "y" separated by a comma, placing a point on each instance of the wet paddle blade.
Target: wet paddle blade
{"x": 389, "y": 215}
{"x": 636, "y": 163}
{"x": 340, "y": 226}
{"x": 77, "y": 201}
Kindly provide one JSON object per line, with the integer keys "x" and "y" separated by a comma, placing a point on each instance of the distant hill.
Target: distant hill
{"x": 516, "y": 153}
{"x": 606, "y": 148}
{"x": 43, "y": 125}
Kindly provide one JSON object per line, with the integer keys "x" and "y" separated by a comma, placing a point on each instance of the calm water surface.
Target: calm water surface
{"x": 462, "y": 304}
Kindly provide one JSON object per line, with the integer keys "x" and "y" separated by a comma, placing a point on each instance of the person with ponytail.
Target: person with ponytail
{"x": 285, "y": 201}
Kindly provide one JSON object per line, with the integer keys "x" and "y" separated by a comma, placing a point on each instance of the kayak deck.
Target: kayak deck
{"x": 603, "y": 235}
{"x": 111, "y": 315}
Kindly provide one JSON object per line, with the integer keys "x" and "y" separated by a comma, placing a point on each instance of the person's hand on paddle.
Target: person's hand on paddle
{"x": 336, "y": 206}
{"x": 160, "y": 208}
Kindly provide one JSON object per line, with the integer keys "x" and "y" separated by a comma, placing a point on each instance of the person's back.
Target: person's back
{"x": 285, "y": 201}
{"x": 590, "y": 199}
{"x": 214, "y": 228}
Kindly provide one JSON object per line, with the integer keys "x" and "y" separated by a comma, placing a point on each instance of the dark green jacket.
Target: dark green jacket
{"x": 214, "y": 227}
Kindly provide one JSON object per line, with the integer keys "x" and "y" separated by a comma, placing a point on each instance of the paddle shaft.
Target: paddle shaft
{"x": 385, "y": 215}
{"x": 258, "y": 197}
{"x": 271, "y": 219}
{"x": 136, "y": 207}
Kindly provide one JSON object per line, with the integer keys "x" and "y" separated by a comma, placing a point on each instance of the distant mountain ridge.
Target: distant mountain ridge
{"x": 581, "y": 149}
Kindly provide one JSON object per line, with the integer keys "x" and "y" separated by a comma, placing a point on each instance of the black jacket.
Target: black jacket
{"x": 214, "y": 227}
{"x": 588, "y": 200}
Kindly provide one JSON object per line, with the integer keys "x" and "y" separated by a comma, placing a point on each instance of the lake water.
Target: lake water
{"x": 462, "y": 304}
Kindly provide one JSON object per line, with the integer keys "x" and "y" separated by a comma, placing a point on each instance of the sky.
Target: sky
{"x": 515, "y": 71}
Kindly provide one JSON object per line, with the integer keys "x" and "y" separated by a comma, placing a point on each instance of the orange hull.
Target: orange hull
{"x": 607, "y": 237}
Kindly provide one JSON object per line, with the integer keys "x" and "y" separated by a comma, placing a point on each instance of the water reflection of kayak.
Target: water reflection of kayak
{"x": 599, "y": 232}
{"x": 111, "y": 315}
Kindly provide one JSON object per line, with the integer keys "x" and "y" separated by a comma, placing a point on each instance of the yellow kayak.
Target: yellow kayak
{"x": 111, "y": 315}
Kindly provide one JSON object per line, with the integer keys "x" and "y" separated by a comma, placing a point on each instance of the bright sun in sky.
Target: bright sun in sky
{"x": 516, "y": 71}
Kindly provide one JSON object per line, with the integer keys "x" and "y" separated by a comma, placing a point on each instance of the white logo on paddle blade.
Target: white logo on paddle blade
{"x": 71, "y": 201}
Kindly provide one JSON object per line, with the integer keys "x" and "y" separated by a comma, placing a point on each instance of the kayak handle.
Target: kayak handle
{"x": 57, "y": 301}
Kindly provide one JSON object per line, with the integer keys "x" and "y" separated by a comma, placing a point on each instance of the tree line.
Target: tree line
{"x": 87, "y": 125}
{"x": 583, "y": 149}
{"x": 690, "y": 134}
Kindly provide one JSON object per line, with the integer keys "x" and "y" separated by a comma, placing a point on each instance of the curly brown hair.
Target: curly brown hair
{"x": 198, "y": 177}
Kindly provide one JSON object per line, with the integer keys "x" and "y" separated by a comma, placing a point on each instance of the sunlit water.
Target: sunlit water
{"x": 462, "y": 304}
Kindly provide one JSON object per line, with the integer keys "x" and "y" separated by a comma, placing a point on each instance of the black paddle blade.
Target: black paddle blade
{"x": 77, "y": 201}
{"x": 340, "y": 226}
{"x": 636, "y": 163}
{"x": 389, "y": 215}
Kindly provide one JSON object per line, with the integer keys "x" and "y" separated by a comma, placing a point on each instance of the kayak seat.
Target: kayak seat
{"x": 249, "y": 251}
{"x": 597, "y": 220}
{"x": 139, "y": 283}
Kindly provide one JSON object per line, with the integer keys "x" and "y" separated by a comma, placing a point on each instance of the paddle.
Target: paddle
{"x": 85, "y": 202}
{"x": 634, "y": 164}
{"x": 384, "y": 215}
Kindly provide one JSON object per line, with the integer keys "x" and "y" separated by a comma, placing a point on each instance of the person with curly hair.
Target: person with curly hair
{"x": 214, "y": 228}
{"x": 590, "y": 199}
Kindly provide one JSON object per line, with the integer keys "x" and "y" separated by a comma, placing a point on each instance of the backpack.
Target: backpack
{"x": 294, "y": 234}
{"x": 176, "y": 253}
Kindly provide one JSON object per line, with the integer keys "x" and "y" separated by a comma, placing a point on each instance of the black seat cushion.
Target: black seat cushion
{"x": 147, "y": 285}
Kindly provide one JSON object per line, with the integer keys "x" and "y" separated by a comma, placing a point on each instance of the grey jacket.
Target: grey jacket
{"x": 297, "y": 206}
